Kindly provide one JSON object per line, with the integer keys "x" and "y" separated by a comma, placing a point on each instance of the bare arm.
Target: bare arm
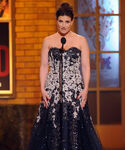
{"x": 44, "y": 64}
{"x": 85, "y": 62}
{"x": 44, "y": 70}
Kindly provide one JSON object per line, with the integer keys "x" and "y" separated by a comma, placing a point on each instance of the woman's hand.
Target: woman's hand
{"x": 84, "y": 97}
{"x": 45, "y": 97}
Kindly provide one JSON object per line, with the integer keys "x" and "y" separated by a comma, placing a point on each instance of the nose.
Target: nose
{"x": 63, "y": 24}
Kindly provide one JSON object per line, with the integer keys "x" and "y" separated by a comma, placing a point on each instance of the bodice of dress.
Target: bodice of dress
{"x": 71, "y": 74}
{"x": 66, "y": 77}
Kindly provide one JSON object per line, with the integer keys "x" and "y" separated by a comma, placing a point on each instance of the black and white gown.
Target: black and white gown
{"x": 64, "y": 125}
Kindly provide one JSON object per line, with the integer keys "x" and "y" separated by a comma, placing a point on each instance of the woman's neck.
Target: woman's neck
{"x": 68, "y": 34}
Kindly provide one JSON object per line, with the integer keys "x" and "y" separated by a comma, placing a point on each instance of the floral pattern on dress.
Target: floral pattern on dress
{"x": 71, "y": 79}
{"x": 64, "y": 125}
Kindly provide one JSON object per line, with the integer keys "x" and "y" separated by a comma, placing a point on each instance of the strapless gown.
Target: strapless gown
{"x": 64, "y": 125}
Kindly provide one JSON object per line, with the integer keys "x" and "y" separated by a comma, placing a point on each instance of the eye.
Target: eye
{"x": 60, "y": 21}
{"x": 67, "y": 21}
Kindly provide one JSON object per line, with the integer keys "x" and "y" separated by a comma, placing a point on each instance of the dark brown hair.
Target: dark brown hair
{"x": 65, "y": 9}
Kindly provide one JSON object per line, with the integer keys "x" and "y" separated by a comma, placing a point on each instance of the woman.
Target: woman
{"x": 63, "y": 121}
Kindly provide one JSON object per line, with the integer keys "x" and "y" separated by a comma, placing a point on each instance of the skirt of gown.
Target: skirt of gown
{"x": 64, "y": 125}
{"x": 69, "y": 135}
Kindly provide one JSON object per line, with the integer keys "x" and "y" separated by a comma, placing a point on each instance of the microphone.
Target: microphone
{"x": 63, "y": 41}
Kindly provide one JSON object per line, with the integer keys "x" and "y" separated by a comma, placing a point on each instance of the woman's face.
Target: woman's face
{"x": 64, "y": 24}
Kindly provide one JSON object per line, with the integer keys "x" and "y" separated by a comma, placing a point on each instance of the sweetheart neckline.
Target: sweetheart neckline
{"x": 65, "y": 50}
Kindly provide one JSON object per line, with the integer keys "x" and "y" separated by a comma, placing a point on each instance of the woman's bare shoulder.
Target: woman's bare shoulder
{"x": 48, "y": 39}
{"x": 82, "y": 41}
{"x": 79, "y": 37}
